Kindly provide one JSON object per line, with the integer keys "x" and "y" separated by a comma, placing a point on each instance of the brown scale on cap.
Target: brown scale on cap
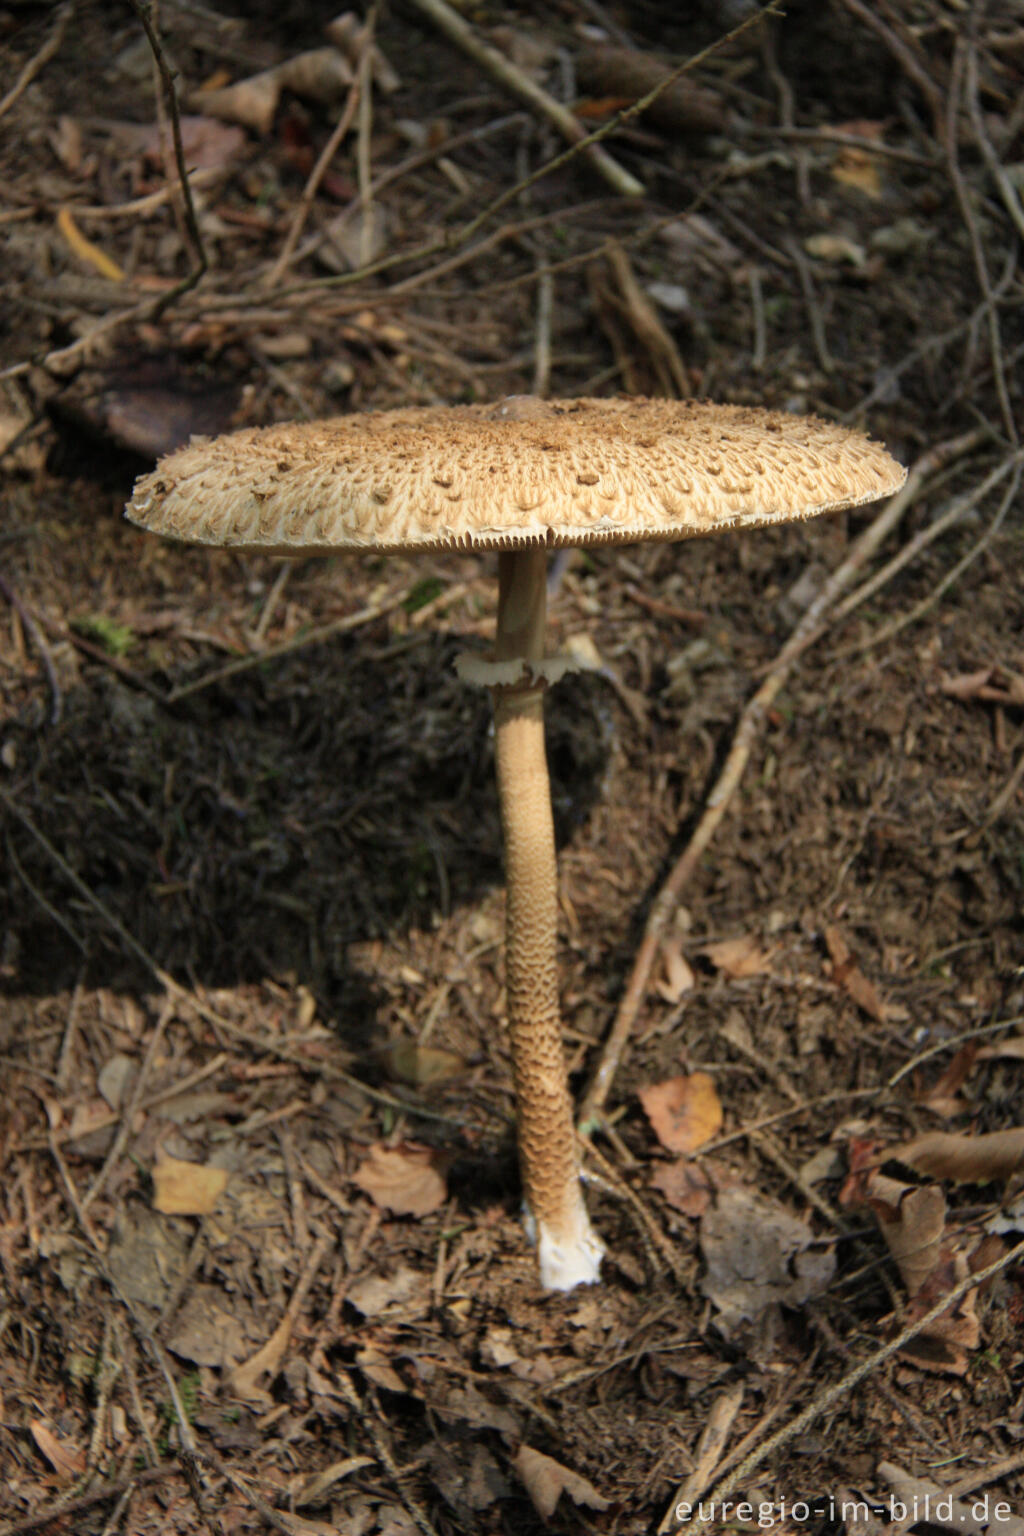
{"x": 559, "y": 473}
{"x": 521, "y": 476}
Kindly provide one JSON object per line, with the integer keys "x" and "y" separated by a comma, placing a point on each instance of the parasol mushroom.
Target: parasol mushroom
{"x": 521, "y": 477}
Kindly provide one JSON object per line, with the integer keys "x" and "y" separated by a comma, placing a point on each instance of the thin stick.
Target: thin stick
{"x": 39, "y": 640}
{"x": 542, "y": 335}
{"x": 39, "y": 60}
{"x": 309, "y": 191}
{"x": 807, "y": 631}
{"x": 364, "y": 170}
{"x": 967, "y": 211}
{"x": 905, "y": 620}
{"x": 512, "y": 78}
{"x": 167, "y": 75}
{"x": 827, "y": 1399}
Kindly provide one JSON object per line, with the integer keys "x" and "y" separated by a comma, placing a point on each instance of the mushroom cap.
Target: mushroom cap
{"x": 523, "y": 472}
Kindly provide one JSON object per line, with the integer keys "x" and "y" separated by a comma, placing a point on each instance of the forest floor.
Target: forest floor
{"x": 262, "y": 1264}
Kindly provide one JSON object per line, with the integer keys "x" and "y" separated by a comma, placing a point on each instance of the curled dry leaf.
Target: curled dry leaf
{"x": 404, "y": 1180}
{"x": 187, "y": 1189}
{"x": 913, "y": 1222}
{"x": 965, "y": 1159}
{"x": 739, "y": 957}
{"x": 546, "y": 1480}
{"x": 684, "y": 1112}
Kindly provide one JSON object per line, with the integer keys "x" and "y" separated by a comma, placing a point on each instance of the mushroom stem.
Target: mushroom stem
{"x": 568, "y": 1250}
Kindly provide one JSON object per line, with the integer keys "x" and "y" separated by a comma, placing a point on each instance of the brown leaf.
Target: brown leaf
{"x": 685, "y": 1186}
{"x": 941, "y": 1097}
{"x": 546, "y": 1480}
{"x": 684, "y": 1112}
{"x": 187, "y": 1189}
{"x": 846, "y": 974}
{"x": 66, "y": 1459}
{"x": 965, "y": 1159}
{"x": 404, "y": 1180}
{"x": 739, "y": 957}
{"x": 913, "y": 1222}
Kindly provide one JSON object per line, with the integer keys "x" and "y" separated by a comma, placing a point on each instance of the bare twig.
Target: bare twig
{"x": 842, "y": 1388}
{"x": 167, "y": 76}
{"x": 542, "y": 335}
{"x": 811, "y": 301}
{"x": 905, "y": 620}
{"x": 309, "y": 191}
{"x": 967, "y": 212}
{"x": 39, "y": 640}
{"x": 40, "y": 59}
{"x": 513, "y": 79}
{"x": 904, "y": 52}
{"x": 807, "y": 631}
{"x": 364, "y": 171}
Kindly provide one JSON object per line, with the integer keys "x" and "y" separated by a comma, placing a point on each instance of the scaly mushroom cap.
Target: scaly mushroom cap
{"x": 524, "y": 472}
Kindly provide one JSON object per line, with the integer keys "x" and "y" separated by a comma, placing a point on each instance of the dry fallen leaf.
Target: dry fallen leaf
{"x": 739, "y": 957}
{"x": 758, "y": 1254}
{"x": 685, "y": 1186}
{"x": 546, "y": 1480}
{"x": 965, "y": 1159}
{"x": 1004, "y": 1050}
{"x": 855, "y": 166}
{"x": 319, "y": 74}
{"x": 913, "y": 1222}
{"x": 66, "y": 1459}
{"x": 404, "y": 1291}
{"x": 685, "y": 1112}
{"x": 422, "y": 1065}
{"x": 404, "y": 1180}
{"x": 186, "y": 1189}
{"x": 942, "y": 1097}
{"x": 846, "y": 974}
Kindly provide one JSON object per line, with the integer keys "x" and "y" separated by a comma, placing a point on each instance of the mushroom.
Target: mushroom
{"x": 521, "y": 477}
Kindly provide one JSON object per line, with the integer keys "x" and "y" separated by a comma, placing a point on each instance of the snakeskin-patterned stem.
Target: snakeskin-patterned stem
{"x": 568, "y": 1250}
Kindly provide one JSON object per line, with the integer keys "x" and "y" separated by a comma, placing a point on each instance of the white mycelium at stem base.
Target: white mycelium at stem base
{"x": 568, "y": 1250}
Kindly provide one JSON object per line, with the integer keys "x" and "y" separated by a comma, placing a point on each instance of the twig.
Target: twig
{"x": 286, "y": 648}
{"x": 131, "y": 1109}
{"x": 513, "y": 79}
{"x": 166, "y": 980}
{"x": 309, "y": 191}
{"x": 364, "y": 172}
{"x": 905, "y": 620}
{"x": 807, "y": 631}
{"x": 380, "y": 1445}
{"x": 542, "y": 335}
{"x": 39, "y": 640}
{"x": 963, "y": 197}
{"x": 760, "y": 349}
{"x": 907, "y": 58}
{"x": 833, "y": 1394}
{"x": 88, "y": 1500}
{"x": 811, "y": 302}
{"x": 920, "y": 541}
{"x": 167, "y": 76}
{"x": 40, "y": 59}
{"x": 713, "y": 1440}
{"x": 1007, "y": 190}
